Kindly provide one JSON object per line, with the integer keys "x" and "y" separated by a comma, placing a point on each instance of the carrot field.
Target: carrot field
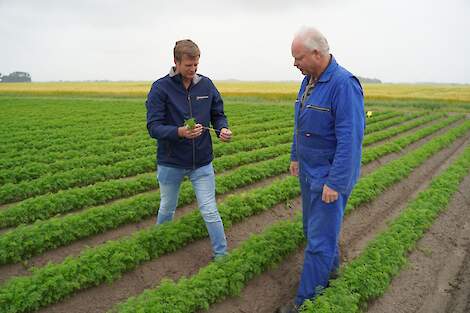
{"x": 79, "y": 197}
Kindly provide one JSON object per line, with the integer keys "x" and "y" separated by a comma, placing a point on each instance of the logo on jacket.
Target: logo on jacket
{"x": 202, "y": 97}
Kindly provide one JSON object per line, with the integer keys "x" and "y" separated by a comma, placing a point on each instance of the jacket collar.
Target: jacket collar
{"x": 330, "y": 69}
{"x": 196, "y": 78}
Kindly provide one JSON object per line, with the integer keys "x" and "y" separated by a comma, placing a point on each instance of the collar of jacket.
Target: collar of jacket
{"x": 196, "y": 78}
{"x": 326, "y": 75}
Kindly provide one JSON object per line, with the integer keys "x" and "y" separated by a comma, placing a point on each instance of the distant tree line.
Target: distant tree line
{"x": 369, "y": 80}
{"x": 15, "y": 77}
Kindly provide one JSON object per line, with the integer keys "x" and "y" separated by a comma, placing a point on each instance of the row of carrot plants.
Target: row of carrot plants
{"x": 390, "y": 122}
{"x": 184, "y": 296}
{"x": 393, "y": 131}
{"x": 107, "y": 262}
{"x": 380, "y": 116}
{"x": 26, "y": 241}
{"x": 45, "y": 206}
{"x": 44, "y": 120}
{"x": 84, "y": 176}
{"x": 87, "y": 146}
{"x": 72, "y": 275}
{"x": 398, "y": 144}
{"x": 11, "y": 192}
{"x": 142, "y": 148}
{"x": 369, "y": 275}
{"x": 45, "y": 159}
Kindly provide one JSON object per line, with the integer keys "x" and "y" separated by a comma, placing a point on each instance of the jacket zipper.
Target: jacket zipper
{"x": 301, "y": 108}
{"x": 315, "y": 107}
{"x": 297, "y": 138}
{"x": 193, "y": 140}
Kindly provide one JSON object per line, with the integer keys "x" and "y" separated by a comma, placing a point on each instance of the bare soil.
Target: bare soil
{"x": 276, "y": 287}
{"x": 271, "y": 289}
{"x": 437, "y": 277}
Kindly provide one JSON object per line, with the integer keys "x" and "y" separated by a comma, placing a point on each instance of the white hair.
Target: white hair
{"x": 312, "y": 39}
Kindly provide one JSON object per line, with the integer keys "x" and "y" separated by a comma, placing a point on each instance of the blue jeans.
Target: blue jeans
{"x": 322, "y": 225}
{"x": 203, "y": 181}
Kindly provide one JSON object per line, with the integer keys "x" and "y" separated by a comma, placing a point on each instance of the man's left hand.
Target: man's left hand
{"x": 225, "y": 134}
{"x": 329, "y": 195}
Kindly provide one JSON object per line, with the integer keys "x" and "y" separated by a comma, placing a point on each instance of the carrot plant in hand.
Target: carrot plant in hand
{"x": 190, "y": 123}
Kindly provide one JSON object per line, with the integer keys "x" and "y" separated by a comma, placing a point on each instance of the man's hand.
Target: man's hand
{"x": 294, "y": 168}
{"x": 187, "y": 133}
{"x": 225, "y": 134}
{"x": 329, "y": 195}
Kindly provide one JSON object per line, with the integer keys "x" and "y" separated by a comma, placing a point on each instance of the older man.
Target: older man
{"x": 183, "y": 149}
{"x": 326, "y": 155}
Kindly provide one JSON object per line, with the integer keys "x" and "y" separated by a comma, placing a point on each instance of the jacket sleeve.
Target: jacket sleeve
{"x": 348, "y": 103}
{"x": 156, "y": 116}
{"x": 218, "y": 118}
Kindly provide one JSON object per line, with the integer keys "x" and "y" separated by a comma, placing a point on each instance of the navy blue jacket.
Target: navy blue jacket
{"x": 169, "y": 104}
{"x": 329, "y": 129}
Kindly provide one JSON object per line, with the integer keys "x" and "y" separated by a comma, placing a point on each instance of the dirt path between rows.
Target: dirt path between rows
{"x": 276, "y": 287}
{"x": 406, "y": 133}
{"x": 269, "y": 290}
{"x": 437, "y": 277}
{"x": 75, "y": 248}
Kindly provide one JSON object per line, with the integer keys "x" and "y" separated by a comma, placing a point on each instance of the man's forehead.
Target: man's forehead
{"x": 298, "y": 50}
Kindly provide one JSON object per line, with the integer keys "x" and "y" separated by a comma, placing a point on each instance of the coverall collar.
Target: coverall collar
{"x": 326, "y": 75}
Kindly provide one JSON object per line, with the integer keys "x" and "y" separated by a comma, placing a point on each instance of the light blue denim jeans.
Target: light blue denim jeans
{"x": 203, "y": 181}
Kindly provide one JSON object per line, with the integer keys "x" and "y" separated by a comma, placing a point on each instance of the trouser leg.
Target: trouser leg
{"x": 169, "y": 180}
{"x": 203, "y": 180}
{"x": 321, "y": 254}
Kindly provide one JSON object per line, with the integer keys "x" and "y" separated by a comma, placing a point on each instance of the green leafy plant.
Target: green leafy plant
{"x": 369, "y": 275}
{"x": 190, "y": 123}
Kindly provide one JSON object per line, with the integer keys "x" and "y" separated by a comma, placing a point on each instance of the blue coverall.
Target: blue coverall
{"x": 328, "y": 132}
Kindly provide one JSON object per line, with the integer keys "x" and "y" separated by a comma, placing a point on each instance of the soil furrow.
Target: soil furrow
{"x": 274, "y": 288}
{"x": 437, "y": 276}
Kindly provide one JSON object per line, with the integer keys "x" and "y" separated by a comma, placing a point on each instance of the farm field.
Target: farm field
{"x": 78, "y": 199}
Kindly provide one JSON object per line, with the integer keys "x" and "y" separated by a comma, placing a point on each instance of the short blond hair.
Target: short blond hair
{"x": 186, "y": 47}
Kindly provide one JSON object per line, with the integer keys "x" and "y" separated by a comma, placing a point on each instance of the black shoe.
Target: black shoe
{"x": 334, "y": 274}
{"x": 288, "y": 308}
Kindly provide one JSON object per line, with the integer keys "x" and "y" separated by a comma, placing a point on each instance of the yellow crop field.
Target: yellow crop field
{"x": 271, "y": 90}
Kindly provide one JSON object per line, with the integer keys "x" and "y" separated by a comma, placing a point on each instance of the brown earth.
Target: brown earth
{"x": 262, "y": 294}
{"x": 276, "y": 287}
{"x": 75, "y": 248}
{"x": 271, "y": 289}
{"x": 437, "y": 276}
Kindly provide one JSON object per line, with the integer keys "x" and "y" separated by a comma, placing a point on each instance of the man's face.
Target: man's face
{"x": 187, "y": 67}
{"x": 306, "y": 61}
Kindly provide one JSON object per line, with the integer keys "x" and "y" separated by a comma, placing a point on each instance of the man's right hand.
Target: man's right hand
{"x": 185, "y": 132}
{"x": 294, "y": 168}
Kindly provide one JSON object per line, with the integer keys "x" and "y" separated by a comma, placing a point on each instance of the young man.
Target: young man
{"x": 183, "y": 150}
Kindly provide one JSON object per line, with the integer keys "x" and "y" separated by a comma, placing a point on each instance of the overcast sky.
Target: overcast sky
{"x": 395, "y": 41}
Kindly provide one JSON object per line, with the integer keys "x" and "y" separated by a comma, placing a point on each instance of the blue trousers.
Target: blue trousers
{"x": 322, "y": 225}
{"x": 203, "y": 181}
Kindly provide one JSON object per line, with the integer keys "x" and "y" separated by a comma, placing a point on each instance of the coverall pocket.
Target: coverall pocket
{"x": 317, "y": 119}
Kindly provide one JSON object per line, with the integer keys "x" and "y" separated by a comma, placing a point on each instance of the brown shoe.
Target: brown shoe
{"x": 288, "y": 308}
